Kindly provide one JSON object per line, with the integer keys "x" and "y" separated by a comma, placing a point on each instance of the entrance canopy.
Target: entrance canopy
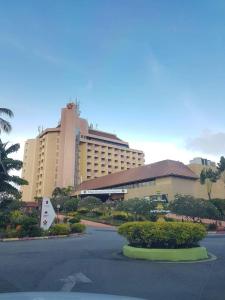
{"x": 105, "y": 194}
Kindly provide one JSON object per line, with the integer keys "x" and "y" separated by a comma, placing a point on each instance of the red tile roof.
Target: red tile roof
{"x": 159, "y": 169}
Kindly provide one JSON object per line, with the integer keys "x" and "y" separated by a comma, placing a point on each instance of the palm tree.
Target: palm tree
{"x": 5, "y": 125}
{"x": 8, "y": 182}
{"x": 208, "y": 177}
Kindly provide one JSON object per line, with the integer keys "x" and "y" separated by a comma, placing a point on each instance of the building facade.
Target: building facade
{"x": 166, "y": 177}
{"x": 71, "y": 153}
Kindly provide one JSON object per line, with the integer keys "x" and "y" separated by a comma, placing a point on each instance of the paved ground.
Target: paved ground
{"x": 92, "y": 263}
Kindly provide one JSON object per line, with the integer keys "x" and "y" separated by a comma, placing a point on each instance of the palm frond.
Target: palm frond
{"x": 6, "y": 111}
{"x": 5, "y": 126}
{"x": 12, "y": 149}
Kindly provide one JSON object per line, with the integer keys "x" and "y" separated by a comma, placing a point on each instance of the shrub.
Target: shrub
{"x": 73, "y": 214}
{"x": 89, "y": 203}
{"x": 59, "y": 229}
{"x": 29, "y": 228}
{"x": 193, "y": 207}
{"x": 120, "y": 215}
{"x": 162, "y": 234}
{"x": 11, "y": 233}
{"x": 77, "y": 228}
{"x": 83, "y": 210}
{"x": 75, "y": 219}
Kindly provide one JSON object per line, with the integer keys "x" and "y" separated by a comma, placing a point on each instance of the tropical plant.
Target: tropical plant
{"x": 137, "y": 207}
{"x": 5, "y": 126}
{"x": 194, "y": 208}
{"x": 207, "y": 178}
{"x": 77, "y": 228}
{"x": 162, "y": 234}
{"x": 89, "y": 203}
{"x": 7, "y": 164}
{"x": 65, "y": 191}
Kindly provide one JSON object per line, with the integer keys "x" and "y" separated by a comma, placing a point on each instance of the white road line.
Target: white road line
{"x": 71, "y": 280}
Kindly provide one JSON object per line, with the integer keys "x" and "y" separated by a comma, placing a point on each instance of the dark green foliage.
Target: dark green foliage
{"x": 162, "y": 234}
{"x": 8, "y": 164}
{"x": 77, "y": 228}
{"x": 59, "y": 229}
{"x": 29, "y": 228}
{"x": 195, "y": 208}
{"x": 220, "y": 205}
{"x": 75, "y": 219}
{"x": 207, "y": 178}
{"x": 5, "y": 126}
{"x": 221, "y": 164}
{"x": 67, "y": 203}
{"x": 137, "y": 207}
{"x": 70, "y": 204}
{"x": 89, "y": 203}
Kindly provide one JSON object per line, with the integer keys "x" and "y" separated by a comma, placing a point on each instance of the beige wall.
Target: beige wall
{"x": 29, "y": 169}
{"x": 69, "y": 123}
{"x": 99, "y": 159}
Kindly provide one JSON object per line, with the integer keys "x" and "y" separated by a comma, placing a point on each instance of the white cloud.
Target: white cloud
{"x": 208, "y": 142}
{"x": 159, "y": 150}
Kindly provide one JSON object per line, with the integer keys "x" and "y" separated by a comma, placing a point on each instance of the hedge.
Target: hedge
{"x": 162, "y": 234}
{"x": 59, "y": 229}
{"x": 77, "y": 228}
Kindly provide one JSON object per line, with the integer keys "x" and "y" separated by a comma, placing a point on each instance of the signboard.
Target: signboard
{"x": 47, "y": 214}
{"x": 108, "y": 191}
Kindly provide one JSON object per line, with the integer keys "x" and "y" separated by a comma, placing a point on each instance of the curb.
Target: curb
{"x": 41, "y": 237}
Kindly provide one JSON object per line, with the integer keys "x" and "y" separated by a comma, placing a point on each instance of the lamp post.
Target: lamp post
{"x": 58, "y": 207}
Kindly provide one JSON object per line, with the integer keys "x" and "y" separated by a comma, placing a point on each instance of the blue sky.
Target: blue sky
{"x": 151, "y": 71}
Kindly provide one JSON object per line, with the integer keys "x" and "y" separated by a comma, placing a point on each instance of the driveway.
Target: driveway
{"x": 93, "y": 263}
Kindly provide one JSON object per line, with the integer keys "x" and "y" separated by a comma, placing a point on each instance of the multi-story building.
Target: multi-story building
{"x": 71, "y": 153}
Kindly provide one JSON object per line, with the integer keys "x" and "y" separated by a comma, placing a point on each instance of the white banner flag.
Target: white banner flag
{"x": 47, "y": 214}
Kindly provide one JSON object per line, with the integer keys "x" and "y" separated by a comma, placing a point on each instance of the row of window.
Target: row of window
{"x": 137, "y": 185}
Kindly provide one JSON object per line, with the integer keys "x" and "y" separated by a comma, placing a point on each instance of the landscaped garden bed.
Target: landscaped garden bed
{"x": 164, "y": 241}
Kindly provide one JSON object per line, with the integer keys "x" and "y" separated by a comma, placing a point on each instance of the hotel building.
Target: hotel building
{"x": 71, "y": 153}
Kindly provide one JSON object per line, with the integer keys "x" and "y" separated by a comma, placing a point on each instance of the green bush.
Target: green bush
{"x": 162, "y": 234}
{"x": 59, "y": 229}
{"x": 83, "y": 210}
{"x": 121, "y": 215}
{"x": 29, "y": 228}
{"x": 75, "y": 219}
{"x": 77, "y": 228}
{"x": 11, "y": 233}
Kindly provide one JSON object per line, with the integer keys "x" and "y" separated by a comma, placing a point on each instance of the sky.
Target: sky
{"x": 153, "y": 71}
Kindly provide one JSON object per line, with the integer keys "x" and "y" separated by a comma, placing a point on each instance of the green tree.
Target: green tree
{"x": 207, "y": 178}
{"x": 137, "y": 207}
{"x": 221, "y": 165}
{"x": 90, "y": 203}
{"x": 65, "y": 191}
{"x": 5, "y": 126}
{"x": 194, "y": 208}
{"x": 8, "y": 164}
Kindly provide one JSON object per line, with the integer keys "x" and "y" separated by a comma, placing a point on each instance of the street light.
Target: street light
{"x": 58, "y": 207}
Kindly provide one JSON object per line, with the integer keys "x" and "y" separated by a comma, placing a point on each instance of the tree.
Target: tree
{"x": 5, "y": 126}
{"x": 194, "y": 208}
{"x": 7, "y": 164}
{"x": 137, "y": 207}
{"x": 65, "y": 191}
{"x": 207, "y": 178}
{"x": 221, "y": 165}
{"x": 90, "y": 203}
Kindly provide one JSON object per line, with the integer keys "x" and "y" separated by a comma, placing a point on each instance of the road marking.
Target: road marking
{"x": 71, "y": 280}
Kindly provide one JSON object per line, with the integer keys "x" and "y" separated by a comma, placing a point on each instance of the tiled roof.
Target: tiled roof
{"x": 159, "y": 169}
{"x": 104, "y": 134}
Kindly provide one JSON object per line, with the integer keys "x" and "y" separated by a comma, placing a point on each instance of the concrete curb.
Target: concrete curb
{"x": 41, "y": 237}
